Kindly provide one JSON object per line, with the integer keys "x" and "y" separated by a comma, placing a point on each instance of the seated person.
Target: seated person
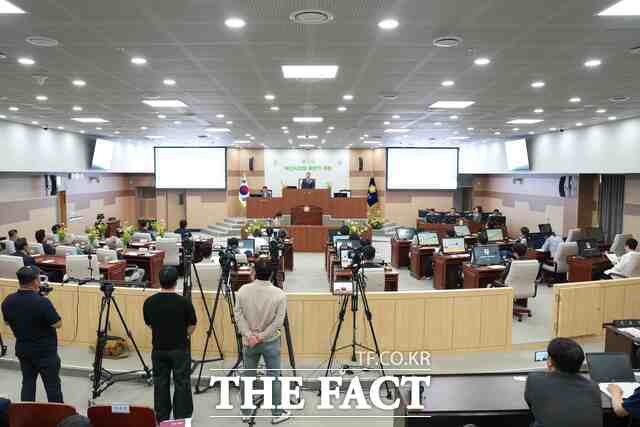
{"x": 13, "y": 235}
{"x": 551, "y": 244}
{"x": 344, "y": 230}
{"x": 477, "y": 214}
{"x": 145, "y": 227}
{"x": 265, "y": 191}
{"x": 115, "y": 242}
{"x": 182, "y": 230}
{"x": 496, "y": 212}
{"x": 40, "y": 238}
{"x": 519, "y": 251}
{"x": 524, "y": 235}
{"x": 10, "y": 243}
{"x": 54, "y": 232}
{"x": 561, "y": 396}
{"x": 22, "y": 252}
{"x": 625, "y": 407}
{"x": 453, "y": 212}
{"x": 624, "y": 265}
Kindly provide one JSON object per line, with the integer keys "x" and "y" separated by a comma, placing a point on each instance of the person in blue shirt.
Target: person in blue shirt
{"x": 624, "y": 407}
{"x": 182, "y": 230}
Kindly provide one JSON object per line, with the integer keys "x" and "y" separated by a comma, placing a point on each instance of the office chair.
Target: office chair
{"x": 138, "y": 416}
{"x": 36, "y": 249}
{"x": 9, "y": 246}
{"x": 31, "y": 414}
{"x": 575, "y": 234}
{"x": 619, "y": 241}
{"x": 141, "y": 237}
{"x": 171, "y": 251}
{"x": 77, "y": 267}
{"x": 63, "y": 250}
{"x": 375, "y": 279}
{"x": 209, "y": 274}
{"x": 522, "y": 278}
{"x": 106, "y": 255}
{"x": 171, "y": 235}
{"x": 560, "y": 266}
{"x": 9, "y": 265}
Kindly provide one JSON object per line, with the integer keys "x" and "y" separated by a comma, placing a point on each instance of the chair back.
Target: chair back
{"x": 209, "y": 274}
{"x": 31, "y": 414}
{"x": 171, "y": 250}
{"x": 575, "y": 234}
{"x": 36, "y": 248}
{"x": 138, "y": 416}
{"x": 10, "y": 246}
{"x": 172, "y": 235}
{"x": 522, "y": 278}
{"x": 106, "y": 255}
{"x": 9, "y": 265}
{"x": 63, "y": 250}
{"x": 81, "y": 238}
{"x": 138, "y": 236}
{"x": 375, "y": 279}
{"x": 617, "y": 247}
{"x": 565, "y": 249}
{"x": 78, "y": 267}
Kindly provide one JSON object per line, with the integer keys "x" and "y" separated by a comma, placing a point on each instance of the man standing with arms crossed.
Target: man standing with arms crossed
{"x": 260, "y": 310}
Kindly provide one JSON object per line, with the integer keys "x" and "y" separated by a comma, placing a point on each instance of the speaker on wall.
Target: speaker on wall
{"x": 561, "y": 183}
{"x": 251, "y": 160}
{"x": 54, "y": 185}
{"x": 360, "y": 164}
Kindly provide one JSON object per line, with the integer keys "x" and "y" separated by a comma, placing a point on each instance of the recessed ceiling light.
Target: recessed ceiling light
{"x": 601, "y": 111}
{"x": 386, "y": 123}
{"x": 274, "y": 108}
{"x": 81, "y": 131}
{"x": 342, "y": 108}
{"x": 117, "y": 132}
{"x": 452, "y": 104}
{"x": 347, "y": 97}
{"x": 26, "y": 61}
{"x": 219, "y": 116}
{"x": 454, "y": 117}
{"x": 269, "y": 97}
{"x": 307, "y": 136}
{"x": 98, "y": 128}
{"x": 89, "y": 120}
{"x": 138, "y": 60}
{"x": 328, "y": 132}
{"x": 331, "y": 127}
{"x": 579, "y": 124}
{"x": 218, "y": 130}
{"x": 241, "y": 141}
{"x": 308, "y": 119}
{"x": 290, "y": 141}
{"x": 77, "y": 108}
{"x": 229, "y": 122}
{"x": 388, "y": 24}
{"x": 309, "y": 71}
{"x": 497, "y": 133}
{"x": 575, "y": 100}
{"x": 164, "y": 103}
{"x": 538, "y": 110}
{"x": 306, "y": 145}
{"x": 162, "y": 116}
{"x": 471, "y": 129}
{"x": 284, "y": 127}
{"x": 371, "y": 142}
{"x": 622, "y": 8}
{"x": 613, "y": 118}
{"x": 438, "y": 123}
{"x": 61, "y": 127}
{"x": 247, "y": 135}
{"x": 235, "y": 23}
{"x": 177, "y": 122}
{"x": 34, "y": 122}
{"x": 79, "y": 83}
{"x": 2, "y": 116}
{"x": 7, "y": 8}
{"x": 143, "y": 128}
{"x": 524, "y": 121}
{"x": 482, "y": 61}
{"x": 323, "y": 141}
{"x": 537, "y": 84}
{"x": 553, "y": 129}
{"x": 14, "y": 109}
{"x": 154, "y": 137}
{"x": 286, "y": 132}
{"x": 42, "y": 97}
{"x": 366, "y": 135}
{"x": 531, "y": 132}
{"x": 448, "y": 83}
{"x": 515, "y": 129}
{"x": 618, "y": 99}
{"x": 402, "y": 130}
{"x": 169, "y": 82}
{"x": 592, "y": 63}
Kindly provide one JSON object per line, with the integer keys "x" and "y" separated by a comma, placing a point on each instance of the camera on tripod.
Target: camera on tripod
{"x": 44, "y": 289}
{"x": 354, "y": 252}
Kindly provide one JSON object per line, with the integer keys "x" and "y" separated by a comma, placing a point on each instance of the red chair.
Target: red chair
{"x": 32, "y": 414}
{"x": 138, "y": 416}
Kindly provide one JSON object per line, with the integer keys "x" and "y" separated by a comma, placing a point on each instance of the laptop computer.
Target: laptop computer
{"x": 608, "y": 368}
{"x": 454, "y": 245}
{"x": 494, "y": 235}
{"x": 462, "y": 230}
{"x": 486, "y": 255}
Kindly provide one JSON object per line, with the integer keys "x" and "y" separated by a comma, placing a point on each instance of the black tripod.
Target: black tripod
{"x": 187, "y": 287}
{"x": 101, "y": 378}
{"x": 3, "y": 348}
{"x": 359, "y": 282}
{"x": 228, "y": 263}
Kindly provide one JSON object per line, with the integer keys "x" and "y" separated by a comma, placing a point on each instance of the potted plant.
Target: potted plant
{"x": 62, "y": 233}
{"x": 357, "y": 228}
{"x": 375, "y": 218}
{"x": 92, "y": 234}
{"x": 251, "y": 227}
{"x": 127, "y": 234}
{"x": 159, "y": 228}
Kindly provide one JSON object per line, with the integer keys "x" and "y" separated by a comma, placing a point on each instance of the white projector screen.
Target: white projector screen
{"x": 517, "y": 156}
{"x": 102, "y": 154}
{"x": 422, "y": 168}
{"x": 191, "y": 168}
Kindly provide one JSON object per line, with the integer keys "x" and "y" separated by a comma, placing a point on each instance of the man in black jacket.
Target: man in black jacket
{"x": 21, "y": 251}
{"x": 561, "y": 396}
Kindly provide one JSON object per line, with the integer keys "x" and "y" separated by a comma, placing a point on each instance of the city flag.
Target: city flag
{"x": 372, "y": 193}
{"x": 243, "y": 192}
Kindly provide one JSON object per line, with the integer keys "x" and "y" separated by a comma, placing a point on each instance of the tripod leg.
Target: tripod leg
{"x": 133, "y": 341}
{"x": 206, "y": 309}
{"x": 101, "y": 341}
{"x": 287, "y": 335}
{"x": 369, "y": 316}
{"x": 341, "y": 314}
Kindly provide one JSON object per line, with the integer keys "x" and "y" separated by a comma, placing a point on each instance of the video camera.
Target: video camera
{"x": 227, "y": 256}
{"x": 355, "y": 256}
{"x": 44, "y": 289}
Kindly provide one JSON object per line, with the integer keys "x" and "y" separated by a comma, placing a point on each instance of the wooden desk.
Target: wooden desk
{"x": 400, "y": 253}
{"x": 339, "y": 274}
{"x": 306, "y": 215}
{"x": 421, "y": 264}
{"x": 446, "y": 269}
{"x": 442, "y": 229}
{"x": 113, "y": 270}
{"x": 313, "y": 238}
{"x": 352, "y": 207}
{"x": 616, "y": 341}
{"x": 480, "y": 277}
{"x": 583, "y": 269}
{"x": 150, "y": 261}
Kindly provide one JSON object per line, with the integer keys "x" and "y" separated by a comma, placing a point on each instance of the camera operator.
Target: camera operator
{"x": 260, "y": 311}
{"x": 172, "y": 320}
{"x": 34, "y": 321}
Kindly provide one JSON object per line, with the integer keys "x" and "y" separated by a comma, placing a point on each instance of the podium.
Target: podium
{"x": 306, "y": 215}
{"x": 349, "y": 207}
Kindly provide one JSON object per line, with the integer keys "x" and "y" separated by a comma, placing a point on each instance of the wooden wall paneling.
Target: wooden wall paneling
{"x": 410, "y": 324}
{"x": 467, "y": 322}
{"x": 494, "y": 327}
{"x": 438, "y": 331}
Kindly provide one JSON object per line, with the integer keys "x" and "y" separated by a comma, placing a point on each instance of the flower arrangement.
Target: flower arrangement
{"x": 127, "y": 234}
{"x": 251, "y": 227}
{"x": 102, "y": 229}
{"x": 375, "y": 217}
{"x": 159, "y": 228}
{"x": 93, "y": 234}
{"x": 62, "y": 232}
{"x": 357, "y": 228}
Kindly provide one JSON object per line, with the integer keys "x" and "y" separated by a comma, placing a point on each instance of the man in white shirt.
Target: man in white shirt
{"x": 624, "y": 266}
{"x": 551, "y": 244}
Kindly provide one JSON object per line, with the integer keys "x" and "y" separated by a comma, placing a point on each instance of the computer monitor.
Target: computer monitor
{"x": 610, "y": 367}
{"x": 594, "y": 233}
{"x": 545, "y": 228}
{"x": 453, "y": 245}
{"x": 355, "y": 243}
{"x": 497, "y": 221}
{"x": 494, "y": 235}
{"x": 462, "y": 230}
{"x": 339, "y": 237}
{"x": 422, "y": 213}
{"x": 247, "y": 247}
{"x": 588, "y": 248}
{"x": 428, "y": 238}
{"x": 536, "y": 240}
{"x": 405, "y": 233}
{"x": 486, "y": 255}
{"x": 332, "y": 232}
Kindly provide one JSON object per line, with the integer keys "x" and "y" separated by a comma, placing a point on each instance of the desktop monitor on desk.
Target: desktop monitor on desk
{"x": 496, "y": 221}
{"x": 453, "y": 245}
{"x": 536, "y": 240}
{"x": 486, "y": 255}
{"x": 338, "y": 238}
{"x": 588, "y": 248}
{"x": 545, "y": 228}
{"x": 494, "y": 235}
{"x": 428, "y": 238}
{"x": 247, "y": 247}
{"x": 462, "y": 230}
{"x": 405, "y": 233}
{"x": 594, "y": 233}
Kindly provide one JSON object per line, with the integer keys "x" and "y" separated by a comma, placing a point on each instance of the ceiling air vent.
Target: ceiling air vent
{"x": 449, "y": 41}
{"x": 41, "y": 41}
{"x": 311, "y": 17}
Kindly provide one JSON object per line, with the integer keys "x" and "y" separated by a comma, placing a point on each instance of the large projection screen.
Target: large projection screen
{"x": 422, "y": 168}
{"x": 191, "y": 168}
